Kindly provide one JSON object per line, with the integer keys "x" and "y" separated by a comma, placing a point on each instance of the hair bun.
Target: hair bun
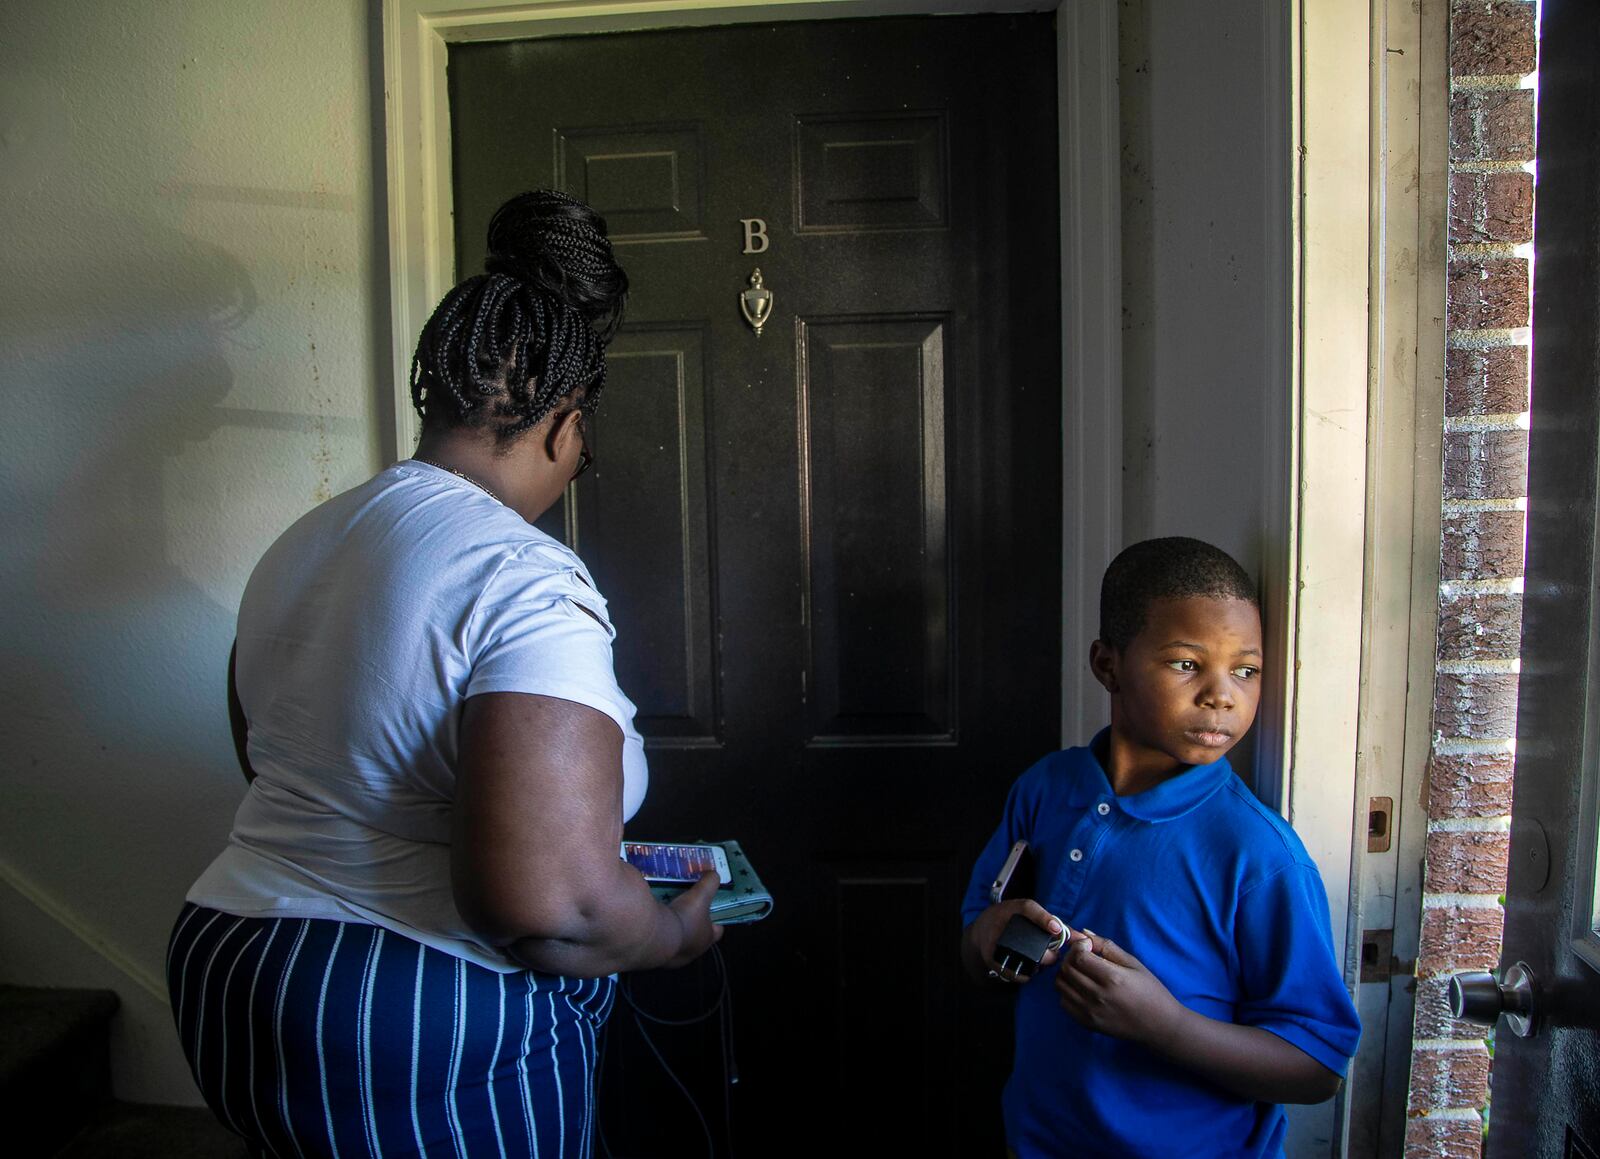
{"x": 557, "y": 245}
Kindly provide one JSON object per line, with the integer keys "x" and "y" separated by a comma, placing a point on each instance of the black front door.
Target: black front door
{"x": 1545, "y": 1089}
{"x": 832, "y": 549}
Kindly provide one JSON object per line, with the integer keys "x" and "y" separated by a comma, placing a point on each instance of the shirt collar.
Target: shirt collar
{"x": 1168, "y": 801}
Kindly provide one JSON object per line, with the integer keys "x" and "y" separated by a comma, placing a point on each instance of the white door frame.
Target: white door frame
{"x": 1330, "y": 542}
{"x": 1314, "y": 592}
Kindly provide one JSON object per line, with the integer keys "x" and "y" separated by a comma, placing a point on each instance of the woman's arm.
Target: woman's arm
{"x": 535, "y": 832}
{"x": 236, "y": 721}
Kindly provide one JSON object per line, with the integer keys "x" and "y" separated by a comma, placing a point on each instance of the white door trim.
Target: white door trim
{"x": 1358, "y": 556}
{"x": 1328, "y": 432}
{"x": 416, "y": 34}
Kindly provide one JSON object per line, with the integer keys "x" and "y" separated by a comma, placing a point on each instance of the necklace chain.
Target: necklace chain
{"x": 460, "y": 475}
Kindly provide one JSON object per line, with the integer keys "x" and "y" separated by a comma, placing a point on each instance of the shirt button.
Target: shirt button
{"x": 1102, "y": 808}
{"x": 1076, "y": 855}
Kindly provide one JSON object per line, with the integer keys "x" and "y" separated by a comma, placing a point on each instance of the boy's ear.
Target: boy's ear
{"x": 1103, "y": 663}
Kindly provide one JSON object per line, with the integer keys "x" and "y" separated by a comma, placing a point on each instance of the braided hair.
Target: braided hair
{"x": 505, "y": 347}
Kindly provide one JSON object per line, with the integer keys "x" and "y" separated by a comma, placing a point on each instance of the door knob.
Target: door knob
{"x": 1482, "y": 998}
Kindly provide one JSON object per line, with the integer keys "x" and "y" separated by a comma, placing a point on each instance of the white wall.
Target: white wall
{"x": 1204, "y": 91}
{"x": 191, "y": 336}
{"x": 1205, "y": 261}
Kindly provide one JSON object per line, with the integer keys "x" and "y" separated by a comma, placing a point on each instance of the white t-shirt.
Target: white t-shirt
{"x": 362, "y": 632}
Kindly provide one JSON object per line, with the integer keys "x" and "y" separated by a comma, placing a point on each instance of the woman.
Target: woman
{"x": 409, "y": 944}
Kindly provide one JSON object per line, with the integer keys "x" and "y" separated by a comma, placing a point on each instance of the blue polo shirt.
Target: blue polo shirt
{"x": 1214, "y": 893}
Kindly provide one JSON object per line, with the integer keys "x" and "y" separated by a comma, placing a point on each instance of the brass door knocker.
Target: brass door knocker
{"x": 756, "y": 303}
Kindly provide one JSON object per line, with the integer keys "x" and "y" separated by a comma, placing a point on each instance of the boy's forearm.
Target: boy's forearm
{"x": 1246, "y": 1060}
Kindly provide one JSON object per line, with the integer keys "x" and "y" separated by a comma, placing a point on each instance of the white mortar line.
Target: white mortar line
{"x": 1487, "y": 166}
{"x": 1491, "y": 82}
{"x": 1460, "y": 901}
{"x": 1486, "y": 339}
{"x": 1499, "y": 824}
{"x": 145, "y": 979}
{"x": 1453, "y": 1115}
{"x": 1467, "y": 506}
{"x": 1517, "y": 421}
{"x": 1482, "y": 587}
{"x": 1486, "y": 667}
{"x": 1461, "y": 746}
{"x": 1485, "y": 249}
{"x": 1447, "y": 1044}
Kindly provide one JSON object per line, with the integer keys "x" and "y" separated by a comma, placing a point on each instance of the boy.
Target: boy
{"x": 1211, "y": 994}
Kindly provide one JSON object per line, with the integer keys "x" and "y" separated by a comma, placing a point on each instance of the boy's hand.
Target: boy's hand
{"x": 987, "y": 927}
{"x": 1108, "y": 990}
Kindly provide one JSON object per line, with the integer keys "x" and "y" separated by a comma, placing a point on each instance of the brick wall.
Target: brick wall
{"x": 1492, "y": 50}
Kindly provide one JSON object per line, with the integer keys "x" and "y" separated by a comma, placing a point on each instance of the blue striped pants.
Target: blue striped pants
{"x": 327, "y": 1038}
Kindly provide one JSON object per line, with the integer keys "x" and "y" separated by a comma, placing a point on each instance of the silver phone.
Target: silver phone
{"x": 1008, "y": 871}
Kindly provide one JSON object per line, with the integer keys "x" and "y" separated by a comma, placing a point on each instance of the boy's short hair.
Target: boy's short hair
{"x": 1174, "y": 568}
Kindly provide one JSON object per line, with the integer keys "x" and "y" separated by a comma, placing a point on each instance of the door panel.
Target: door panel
{"x": 872, "y": 493}
{"x": 898, "y": 903}
{"x": 645, "y": 180}
{"x": 832, "y": 551}
{"x": 646, "y": 524}
{"x": 861, "y": 171}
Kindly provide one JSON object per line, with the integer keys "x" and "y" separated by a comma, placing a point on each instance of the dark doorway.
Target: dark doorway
{"x": 1545, "y": 1089}
{"x": 832, "y": 549}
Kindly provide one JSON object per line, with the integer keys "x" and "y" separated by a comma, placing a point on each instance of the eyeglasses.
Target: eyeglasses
{"x": 585, "y": 455}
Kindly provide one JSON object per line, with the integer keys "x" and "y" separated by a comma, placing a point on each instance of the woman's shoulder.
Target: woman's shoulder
{"x": 536, "y": 569}
{"x": 459, "y": 518}
{"x": 415, "y": 531}
{"x": 532, "y": 553}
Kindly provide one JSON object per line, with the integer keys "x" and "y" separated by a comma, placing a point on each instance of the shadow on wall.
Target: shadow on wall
{"x": 114, "y": 344}
{"x": 191, "y": 311}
